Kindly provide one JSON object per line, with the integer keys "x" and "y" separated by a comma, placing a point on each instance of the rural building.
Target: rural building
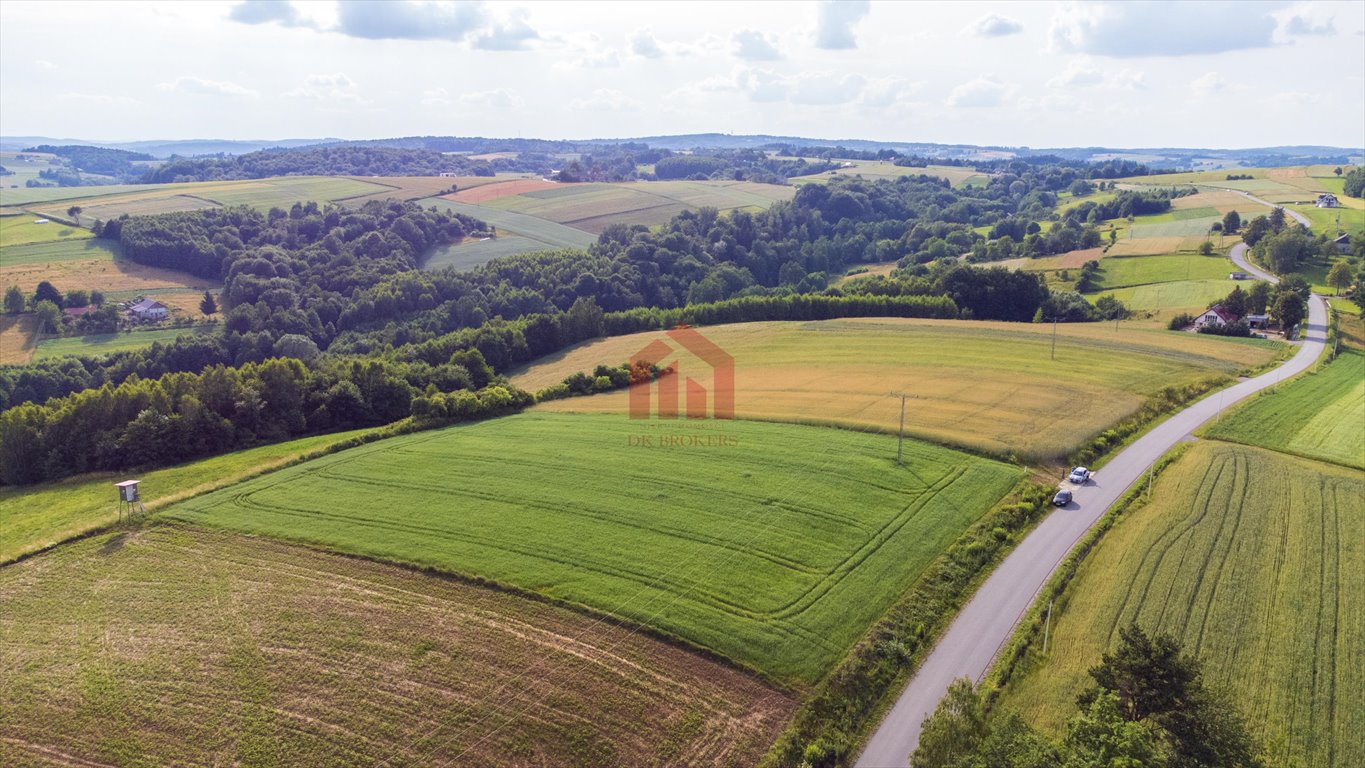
{"x": 1258, "y": 322}
{"x": 1343, "y": 244}
{"x": 1327, "y": 200}
{"x": 147, "y": 310}
{"x": 1214, "y": 315}
{"x": 1238, "y": 276}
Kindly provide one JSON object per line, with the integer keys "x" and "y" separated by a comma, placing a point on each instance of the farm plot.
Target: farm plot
{"x": 876, "y": 169}
{"x": 1166, "y": 300}
{"x": 1175, "y": 227}
{"x": 108, "y": 343}
{"x": 35, "y": 517}
{"x": 552, "y": 234}
{"x": 25, "y": 229}
{"x": 90, "y": 264}
{"x": 989, "y": 387}
{"x": 178, "y": 646}
{"x": 1145, "y": 270}
{"x": 772, "y": 544}
{"x": 143, "y": 199}
{"x": 1318, "y": 415}
{"x": 1254, "y": 561}
{"x": 18, "y": 338}
{"x": 469, "y": 254}
{"x": 418, "y": 187}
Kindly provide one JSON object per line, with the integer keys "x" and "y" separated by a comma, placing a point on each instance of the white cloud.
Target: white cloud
{"x": 280, "y": 12}
{"x": 100, "y": 99}
{"x": 642, "y": 43}
{"x": 834, "y": 28}
{"x": 498, "y": 98}
{"x": 984, "y": 91}
{"x": 1128, "y": 79}
{"x": 886, "y": 91}
{"x": 1208, "y": 83}
{"x": 1084, "y": 73}
{"x": 992, "y": 25}
{"x": 1303, "y": 25}
{"x": 410, "y": 20}
{"x": 511, "y": 34}
{"x": 605, "y": 100}
{"x": 45, "y": 65}
{"x": 751, "y": 45}
{"x": 436, "y": 97}
{"x": 336, "y": 88}
{"x": 811, "y": 88}
{"x": 1144, "y": 28}
{"x": 202, "y": 87}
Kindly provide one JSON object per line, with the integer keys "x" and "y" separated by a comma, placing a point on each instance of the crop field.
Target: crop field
{"x": 89, "y": 264}
{"x": 1145, "y": 270}
{"x": 23, "y": 230}
{"x": 473, "y": 253}
{"x": 1165, "y": 300}
{"x": 985, "y": 386}
{"x": 876, "y": 169}
{"x": 1318, "y": 415}
{"x": 1220, "y": 201}
{"x": 18, "y": 338}
{"x": 107, "y": 343}
{"x": 176, "y": 646}
{"x": 33, "y": 517}
{"x": 1176, "y": 227}
{"x": 418, "y": 187}
{"x": 484, "y": 193}
{"x": 775, "y": 545}
{"x": 551, "y": 234}
{"x": 1255, "y": 561}
{"x": 141, "y": 199}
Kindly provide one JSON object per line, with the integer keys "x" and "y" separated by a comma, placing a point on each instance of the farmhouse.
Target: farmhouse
{"x": 147, "y": 310}
{"x": 1214, "y": 315}
{"x": 1343, "y": 244}
{"x": 1327, "y": 200}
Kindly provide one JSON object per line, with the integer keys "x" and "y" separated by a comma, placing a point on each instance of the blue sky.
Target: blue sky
{"x": 1225, "y": 74}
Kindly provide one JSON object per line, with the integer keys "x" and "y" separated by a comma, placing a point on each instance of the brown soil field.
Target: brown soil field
{"x": 18, "y": 338}
{"x": 173, "y": 645}
{"x": 486, "y": 192}
{"x": 102, "y": 274}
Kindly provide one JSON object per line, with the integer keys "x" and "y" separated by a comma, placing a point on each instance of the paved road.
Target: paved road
{"x": 986, "y": 623}
{"x": 1295, "y": 215}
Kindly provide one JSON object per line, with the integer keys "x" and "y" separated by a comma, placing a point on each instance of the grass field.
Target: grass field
{"x": 984, "y": 386}
{"x": 472, "y": 253}
{"x": 22, "y": 230}
{"x": 1319, "y": 415}
{"x": 1146, "y": 270}
{"x": 90, "y": 264}
{"x": 776, "y": 549}
{"x": 875, "y": 169}
{"x": 36, "y": 516}
{"x": 1166, "y": 300}
{"x": 1255, "y": 561}
{"x": 551, "y": 234}
{"x": 177, "y": 646}
{"x": 106, "y": 343}
{"x": 18, "y": 338}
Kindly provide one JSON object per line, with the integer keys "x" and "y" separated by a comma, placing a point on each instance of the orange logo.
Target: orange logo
{"x": 721, "y": 392}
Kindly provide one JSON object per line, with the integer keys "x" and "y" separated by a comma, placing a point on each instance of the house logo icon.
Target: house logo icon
{"x": 721, "y": 392}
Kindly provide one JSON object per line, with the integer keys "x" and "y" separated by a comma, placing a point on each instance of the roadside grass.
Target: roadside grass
{"x": 21, "y": 230}
{"x": 107, "y": 343}
{"x": 773, "y": 545}
{"x": 1319, "y": 415}
{"x": 170, "y": 645}
{"x": 34, "y": 517}
{"x": 1250, "y": 558}
{"x": 985, "y": 386}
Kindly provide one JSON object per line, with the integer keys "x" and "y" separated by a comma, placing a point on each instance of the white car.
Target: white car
{"x": 1079, "y": 475}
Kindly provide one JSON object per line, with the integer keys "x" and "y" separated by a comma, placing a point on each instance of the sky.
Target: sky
{"x": 1117, "y": 74}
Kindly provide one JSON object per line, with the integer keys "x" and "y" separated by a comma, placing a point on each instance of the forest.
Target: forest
{"x": 97, "y": 161}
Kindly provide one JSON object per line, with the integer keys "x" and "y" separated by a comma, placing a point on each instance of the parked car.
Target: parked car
{"x": 1062, "y": 498}
{"x": 1079, "y": 475}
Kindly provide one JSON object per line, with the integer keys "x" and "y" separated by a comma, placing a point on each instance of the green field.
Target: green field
{"x": 1165, "y": 300}
{"x": 776, "y": 550}
{"x": 1121, "y": 272}
{"x": 550, "y": 234}
{"x": 1319, "y": 415}
{"x": 37, "y": 516}
{"x": 986, "y": 386}
{"x": 22, "y": 230}
{"x": 1350, "y": 220}
{"x": 64, "y": 249}
{"x": 107, "y": 202}
{"x": 1255, "y": 561}
{"x": 1177, "y": 227}
{"x": 877, "y": 169}
{"x": 107, "y": 343}
{"x": 169, "y": 645}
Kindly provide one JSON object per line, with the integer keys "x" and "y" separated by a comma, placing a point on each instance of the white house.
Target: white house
{"x": 1214, "y": 315}
{"x": 1327, "y": 200}
{"x": 147, "y": 310}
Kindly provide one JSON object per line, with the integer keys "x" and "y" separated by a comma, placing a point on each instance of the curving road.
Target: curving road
{"x": 986, "y": 623}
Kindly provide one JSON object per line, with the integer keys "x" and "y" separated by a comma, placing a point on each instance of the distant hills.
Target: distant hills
{"x": 1180, "y": 158}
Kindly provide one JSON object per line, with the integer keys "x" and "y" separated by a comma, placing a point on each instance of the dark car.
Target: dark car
{"x": 1062, "y": 498}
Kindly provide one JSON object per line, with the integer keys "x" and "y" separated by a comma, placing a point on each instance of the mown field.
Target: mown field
{"x": 1255, "y": 561}
{"x": 1145, "y": 270}
{"x": 109, "y": 201}
{"x": 106, "y": 343}
{"x": 37, "y": 516}
{"x": 24, "y": 229}
{"x": 549, "y": 233}
{"x": 178, "y": 646}
{"x": 984, "y": 386}
{"x": 18, "y": 338}
{"x": 776, "y": 549}
{"x": 91, "y": 265}
{"x": 876, "y": 169}
{"x": 1319, "y": 415}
